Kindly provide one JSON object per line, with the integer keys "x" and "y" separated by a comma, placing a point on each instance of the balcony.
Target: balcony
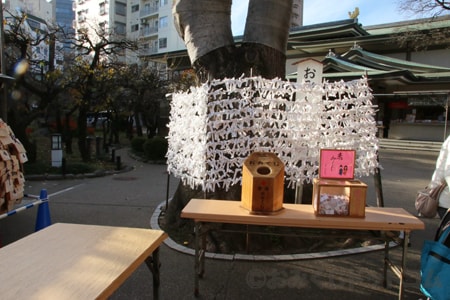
{"x": 147, "y": 31}
{"x": 148, "y": 11}
{"x": 148, "y": 51}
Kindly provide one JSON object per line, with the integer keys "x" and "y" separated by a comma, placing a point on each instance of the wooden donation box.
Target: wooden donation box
{"x": 335, "y": 192}
{"x": 262, "y": 183}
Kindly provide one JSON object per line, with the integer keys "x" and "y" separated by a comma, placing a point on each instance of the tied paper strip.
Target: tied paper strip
{"x": 215, "y": 127}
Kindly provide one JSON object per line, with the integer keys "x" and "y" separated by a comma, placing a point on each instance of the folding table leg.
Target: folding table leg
{"x": 154, "y": 265}
{"x": 200, "y": 244}
{"x": 405, "y": 244}
{"x": 386, "y": 262}
{"x": 399, "y": 271}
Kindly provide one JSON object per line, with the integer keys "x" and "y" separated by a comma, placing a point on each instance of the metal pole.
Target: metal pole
{"x": 167, "y": 191}
{"x": 446, "y": 118}
{"x": 3, "y": 99}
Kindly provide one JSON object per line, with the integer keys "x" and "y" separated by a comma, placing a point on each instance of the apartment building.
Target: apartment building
{"x": 41, "y": 14}
{"x": 157, "y": 32}
{"x": 100, "y": 18}
{"x": 297, "y": 13}
{"x": 38, "y": 14}
{"x": 43, "y": 9}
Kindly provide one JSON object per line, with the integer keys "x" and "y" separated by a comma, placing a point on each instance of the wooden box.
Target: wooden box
{"x": 262, "y": 183}
{"x": 333, "y": 197}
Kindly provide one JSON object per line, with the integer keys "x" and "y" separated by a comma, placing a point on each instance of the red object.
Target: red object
{"x": 398, "y": 105}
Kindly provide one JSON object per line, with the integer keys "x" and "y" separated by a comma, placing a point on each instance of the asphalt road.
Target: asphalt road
{"x": 130, "y": 199}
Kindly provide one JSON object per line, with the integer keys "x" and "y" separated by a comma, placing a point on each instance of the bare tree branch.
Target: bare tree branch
{"x": 444, "y": 4}
{"x": 424, "y": 8}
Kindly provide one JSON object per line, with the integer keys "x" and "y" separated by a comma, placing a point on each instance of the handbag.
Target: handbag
{"x": 427, "y": 200}
{"x": 435, "y": 267}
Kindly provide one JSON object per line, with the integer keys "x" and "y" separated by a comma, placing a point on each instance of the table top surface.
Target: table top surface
{"x": 300, "y": 215}
{"x": 72, "y": 261}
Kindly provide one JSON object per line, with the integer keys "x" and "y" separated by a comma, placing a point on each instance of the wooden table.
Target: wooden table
{"x": 71, "y": 261}
{"x": 299, "y": 215}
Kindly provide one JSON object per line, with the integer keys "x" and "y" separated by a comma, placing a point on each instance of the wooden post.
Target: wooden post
{"x": 378, "y": 186}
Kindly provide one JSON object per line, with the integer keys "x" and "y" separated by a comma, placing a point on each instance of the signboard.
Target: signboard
{"x": 427, "y": 100}
{"x": 337, "y": 164}
{"x": 310, "y": 71}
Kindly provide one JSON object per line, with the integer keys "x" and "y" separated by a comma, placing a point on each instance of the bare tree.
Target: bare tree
{"x": 94, "y": 47}
{"x": 424, "y": 8}
{"x": 33, "y": 90}
{"x": 142, "y": 91}
{"x": 416, "y": 40}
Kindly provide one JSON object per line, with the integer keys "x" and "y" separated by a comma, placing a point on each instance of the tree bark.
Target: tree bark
{"x": 204, "y": 25}
{"x": 265, "y": 37}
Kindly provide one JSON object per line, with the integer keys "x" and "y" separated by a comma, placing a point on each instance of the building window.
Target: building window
{"x": 33, "y": 24}
{"x": 163, "y": 22}
{"x": 162, "y": 43}
{"x": 135, "y": 8}
{"x": 81, "y": 17}
{"x": 120, "y": 28}
{"x": 102, "y": 27}
{"x": 134, "y": 27}
{"x": 102, "y": 8}
{"x": 121, "y": 8}
{"x": 164, "y": 2}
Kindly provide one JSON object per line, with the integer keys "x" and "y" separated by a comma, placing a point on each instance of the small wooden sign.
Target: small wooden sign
{"x": 309, "y": 71}
{"x": 337, "y": 164}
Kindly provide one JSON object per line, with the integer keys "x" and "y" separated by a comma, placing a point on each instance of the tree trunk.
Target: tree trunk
{"x": 137, "y": 120}
{"x": 67, "y": 133}
{"x": 205, "y": 27}
{"x": 265, "y": 37}
{"x": 255, "y": 57}
{"x": 82, "y": 134}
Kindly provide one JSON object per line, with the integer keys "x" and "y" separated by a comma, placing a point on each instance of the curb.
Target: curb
{"x": 154, "y": 224}
{"x": 99, "y": 173}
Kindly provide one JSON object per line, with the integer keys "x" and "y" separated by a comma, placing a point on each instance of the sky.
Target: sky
{"x": 371, "y": 12}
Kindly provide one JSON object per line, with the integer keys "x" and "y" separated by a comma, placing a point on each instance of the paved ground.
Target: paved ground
{"x": 131, "y": 199}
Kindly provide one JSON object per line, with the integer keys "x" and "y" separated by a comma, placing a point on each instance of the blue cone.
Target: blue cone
{"x": 43, "y": 216}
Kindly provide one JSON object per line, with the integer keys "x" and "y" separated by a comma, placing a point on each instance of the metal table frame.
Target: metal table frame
{"x": 381, "y": 219}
